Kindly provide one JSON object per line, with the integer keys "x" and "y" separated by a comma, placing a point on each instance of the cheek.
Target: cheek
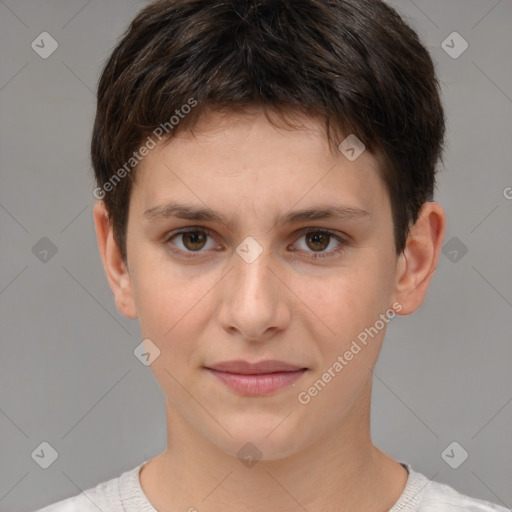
{"x": 348, "y": 350}
{"x": 174, "y": 307}
{"x": 343, "y": 312}
{"x": 162, "y": 290}
{"x": 345, "y": 300}
{"x": 171, "y": 315}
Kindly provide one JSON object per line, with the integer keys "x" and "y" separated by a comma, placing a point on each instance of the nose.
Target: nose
{"x": 255, "y": 298}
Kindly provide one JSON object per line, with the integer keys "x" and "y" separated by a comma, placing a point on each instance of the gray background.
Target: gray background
{"x": 68, "y": 373}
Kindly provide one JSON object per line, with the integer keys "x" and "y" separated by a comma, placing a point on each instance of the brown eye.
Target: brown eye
{"x": 315, "y": 244}
{"x": 318, "y": 240}
{"x": 194, "y": 240}
{"x": 190, "y": 241}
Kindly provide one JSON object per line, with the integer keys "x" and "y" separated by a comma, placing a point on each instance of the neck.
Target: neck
{"x": 340, "y": 471}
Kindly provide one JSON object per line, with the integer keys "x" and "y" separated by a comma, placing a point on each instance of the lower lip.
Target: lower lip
{"x": 261, "y": 384}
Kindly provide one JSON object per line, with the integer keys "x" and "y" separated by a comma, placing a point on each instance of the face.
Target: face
{"x": 263, "y": 284}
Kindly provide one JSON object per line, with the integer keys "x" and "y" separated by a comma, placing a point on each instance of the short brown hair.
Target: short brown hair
{"x": 353, "y": 63}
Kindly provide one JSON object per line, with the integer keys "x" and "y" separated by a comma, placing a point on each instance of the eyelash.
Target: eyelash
{"x": 317, "y": 255}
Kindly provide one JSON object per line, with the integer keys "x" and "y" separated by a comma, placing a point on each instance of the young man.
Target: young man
{"x": 265, "y": 175}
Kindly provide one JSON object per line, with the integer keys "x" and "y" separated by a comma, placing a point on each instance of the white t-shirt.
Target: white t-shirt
{"x": 125, "y": 494}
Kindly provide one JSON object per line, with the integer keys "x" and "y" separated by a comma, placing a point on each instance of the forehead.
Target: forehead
{"x": 245, "y": 162}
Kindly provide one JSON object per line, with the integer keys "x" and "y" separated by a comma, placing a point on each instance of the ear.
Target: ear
{"x": 115, "y": 268}
{"x": 418, "y": 262}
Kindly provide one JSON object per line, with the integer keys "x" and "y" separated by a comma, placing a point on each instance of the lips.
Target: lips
{"x": 256, "y": 379}
{"x": 246, "y": 368}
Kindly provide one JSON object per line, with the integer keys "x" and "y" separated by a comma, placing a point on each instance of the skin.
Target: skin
{"x": 285, "y": 305}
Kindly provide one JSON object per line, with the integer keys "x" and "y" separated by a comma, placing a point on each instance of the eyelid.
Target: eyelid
{"x": 341, "y": 236}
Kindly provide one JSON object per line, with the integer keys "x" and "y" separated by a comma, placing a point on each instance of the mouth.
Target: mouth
{"x": 256, "y": 379}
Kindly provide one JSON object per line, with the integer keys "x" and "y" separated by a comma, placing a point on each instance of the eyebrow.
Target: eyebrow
{"x": 190, "y": 212}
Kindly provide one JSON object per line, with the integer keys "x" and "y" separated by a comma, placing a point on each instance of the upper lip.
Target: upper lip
{"x": 245, "y": 367}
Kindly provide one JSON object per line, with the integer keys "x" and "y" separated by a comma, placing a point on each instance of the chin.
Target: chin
{"x": 268, "y": 438}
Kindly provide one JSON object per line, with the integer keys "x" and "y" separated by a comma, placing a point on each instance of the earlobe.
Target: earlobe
{"x": 115, "y": 268}
{"x": 418, "y": 262}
